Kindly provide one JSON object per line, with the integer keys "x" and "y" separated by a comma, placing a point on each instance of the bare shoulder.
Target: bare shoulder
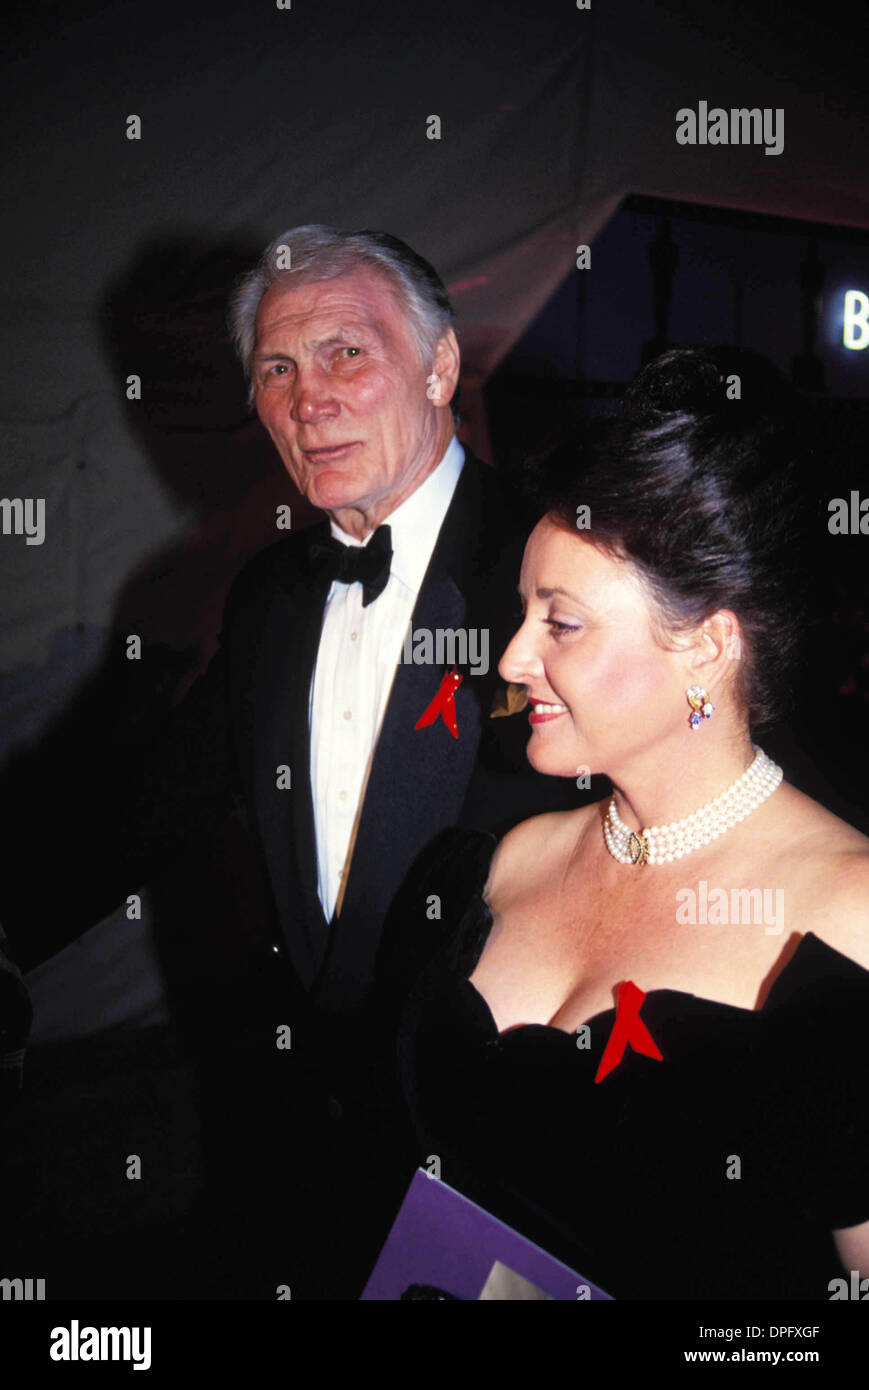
{"x": 828, "y": 864}
{"x": 531, "y": 847}
{"x": 841, "y": 903}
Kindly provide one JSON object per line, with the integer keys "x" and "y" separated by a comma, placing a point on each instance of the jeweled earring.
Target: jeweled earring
{"x": 701, "y": 705}
{"x": 433, "y": 387}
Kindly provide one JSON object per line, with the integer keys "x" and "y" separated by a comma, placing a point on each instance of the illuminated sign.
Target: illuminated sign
{"x": 855, "y": 325}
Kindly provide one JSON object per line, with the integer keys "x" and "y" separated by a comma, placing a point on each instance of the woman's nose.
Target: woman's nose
{"x": 520, "y": 664}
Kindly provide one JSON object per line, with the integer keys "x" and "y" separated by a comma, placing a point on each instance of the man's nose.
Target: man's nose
{"x": 312, "y": 398}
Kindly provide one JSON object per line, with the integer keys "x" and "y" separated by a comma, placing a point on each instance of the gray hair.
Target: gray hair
{"x": 317, "y": 252}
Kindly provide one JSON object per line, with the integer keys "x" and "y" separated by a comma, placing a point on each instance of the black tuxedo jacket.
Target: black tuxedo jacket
{"x": 248, "y": 717}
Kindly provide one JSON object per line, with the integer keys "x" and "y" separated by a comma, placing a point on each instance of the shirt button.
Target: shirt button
{"x": 353, "y": 636}
{"x": 342, "y": 796}
{"x": 348, "y": 714}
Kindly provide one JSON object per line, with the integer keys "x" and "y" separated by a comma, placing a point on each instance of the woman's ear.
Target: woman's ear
{"x": 717, "y": 645}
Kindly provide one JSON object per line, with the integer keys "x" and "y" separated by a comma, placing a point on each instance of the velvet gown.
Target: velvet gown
{"x": 717, "y": 1172}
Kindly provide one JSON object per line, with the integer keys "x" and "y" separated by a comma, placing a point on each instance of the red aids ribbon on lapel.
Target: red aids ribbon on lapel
{"x": 628, "y": 1028}
{"x": 443, "y": 703}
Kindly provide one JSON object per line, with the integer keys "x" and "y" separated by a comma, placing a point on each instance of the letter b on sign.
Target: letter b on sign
{"x": 855, "y": 327}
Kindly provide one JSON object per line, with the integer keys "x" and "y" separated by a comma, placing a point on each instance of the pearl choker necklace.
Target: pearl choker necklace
{"x": 661, "y": 844}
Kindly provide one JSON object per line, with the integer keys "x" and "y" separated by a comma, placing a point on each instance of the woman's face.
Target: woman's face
{"x": 602, "y": 691}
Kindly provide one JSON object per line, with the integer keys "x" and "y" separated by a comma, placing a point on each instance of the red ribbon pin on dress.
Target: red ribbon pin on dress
{"x": 443, "y": 703}
{"x": 628, "y": 1028}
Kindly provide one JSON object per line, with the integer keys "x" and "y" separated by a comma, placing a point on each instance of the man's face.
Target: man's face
{"x": 342, "y": 392}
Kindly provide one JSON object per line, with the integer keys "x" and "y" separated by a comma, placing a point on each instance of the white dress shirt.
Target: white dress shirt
{"x": 356, "y": 663}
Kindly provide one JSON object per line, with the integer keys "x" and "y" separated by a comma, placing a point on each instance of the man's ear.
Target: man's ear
{"x": 447, "y": 361}
{"x": 717, "y": 645}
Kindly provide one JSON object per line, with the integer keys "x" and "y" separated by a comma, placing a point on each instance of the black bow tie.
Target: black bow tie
{"x": 369, "y": 563}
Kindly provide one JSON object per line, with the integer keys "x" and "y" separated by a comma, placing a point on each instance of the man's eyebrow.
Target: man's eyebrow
{"x": 341, "y": 335}
{"x": 347, "y": 335}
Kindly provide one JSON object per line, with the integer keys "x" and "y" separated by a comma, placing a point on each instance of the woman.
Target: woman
{"x": 702, "y": 1131}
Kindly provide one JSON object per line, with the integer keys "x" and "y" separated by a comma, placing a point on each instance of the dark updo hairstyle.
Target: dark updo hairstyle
{"x": 703, "y": 495}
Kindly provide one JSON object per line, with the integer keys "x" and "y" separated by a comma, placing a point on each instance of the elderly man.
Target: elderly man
{"x": 353, "y": 362}
{"x": 347, "y": 712}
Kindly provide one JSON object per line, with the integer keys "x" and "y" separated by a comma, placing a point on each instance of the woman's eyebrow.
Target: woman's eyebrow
{"x": 556, "y": 589}
{"x": 548, "y": 591}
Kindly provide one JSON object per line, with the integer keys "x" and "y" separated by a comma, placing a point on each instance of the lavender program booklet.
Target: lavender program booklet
{"x": 442, "y": 1242}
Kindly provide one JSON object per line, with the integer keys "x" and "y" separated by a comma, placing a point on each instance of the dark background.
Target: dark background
{"x": 558, "y": 128}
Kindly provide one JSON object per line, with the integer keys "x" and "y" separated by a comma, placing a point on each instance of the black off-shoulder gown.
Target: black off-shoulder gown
{"x": 633, "y": 1180}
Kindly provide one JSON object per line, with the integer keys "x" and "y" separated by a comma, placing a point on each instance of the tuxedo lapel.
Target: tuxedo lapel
{"x": 418, "y": 777}
{"x": 280, "y": 736}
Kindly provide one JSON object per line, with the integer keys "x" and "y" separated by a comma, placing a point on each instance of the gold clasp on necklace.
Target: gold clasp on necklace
{"x": 638, "y": 848}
